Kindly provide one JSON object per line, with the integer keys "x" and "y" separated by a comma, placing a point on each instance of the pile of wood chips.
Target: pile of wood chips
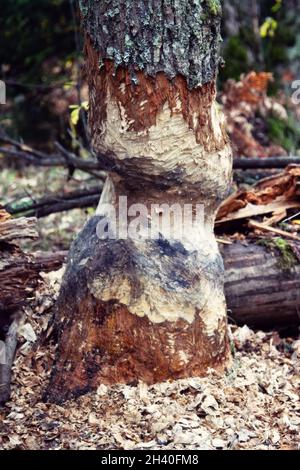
{"x": 256, "y": 405}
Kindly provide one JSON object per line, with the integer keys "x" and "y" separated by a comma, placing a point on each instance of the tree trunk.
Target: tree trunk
{"x": 141, "y": 308}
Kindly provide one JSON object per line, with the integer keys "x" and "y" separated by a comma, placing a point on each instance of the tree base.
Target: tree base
{"x": 127, "y": 349}
{"x": 131, "y": 312}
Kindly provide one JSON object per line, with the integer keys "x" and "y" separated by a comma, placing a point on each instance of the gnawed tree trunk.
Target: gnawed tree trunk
{"x": 148, "y": 309}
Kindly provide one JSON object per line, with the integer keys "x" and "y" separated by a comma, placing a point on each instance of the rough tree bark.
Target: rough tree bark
{"x": 11, "y": 342}
{"x": 144, "y": 309}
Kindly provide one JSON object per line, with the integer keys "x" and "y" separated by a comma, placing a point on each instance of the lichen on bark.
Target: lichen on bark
{"x": 176, "y": 37}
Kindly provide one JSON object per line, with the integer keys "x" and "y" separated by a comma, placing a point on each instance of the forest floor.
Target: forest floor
{"x": 256, "y": 405}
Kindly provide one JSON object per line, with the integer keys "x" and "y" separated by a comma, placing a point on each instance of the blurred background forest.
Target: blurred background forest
{"x": 41, "y": 57}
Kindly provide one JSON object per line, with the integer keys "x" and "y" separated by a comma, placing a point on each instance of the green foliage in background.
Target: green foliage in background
{"x": 32, "y": 31}
{"x": 279, "y": 35}
{"x": 284, "y": 133}
{"x": 268, "y": 46}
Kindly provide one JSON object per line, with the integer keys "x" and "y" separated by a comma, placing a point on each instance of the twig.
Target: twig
{"x": 88, "y": 166}
{"x": 64, "y": 158}
{"x": 291, "y": 218}
{"x": 14, "y": 229}
{"x": 30, "y": 158}
{"x": 224, "y": 242}
{"x": 277, "y": 231}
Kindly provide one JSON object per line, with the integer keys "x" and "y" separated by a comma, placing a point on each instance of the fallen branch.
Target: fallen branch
{"x": 64, "y": 158}
{"x": 57, "y": 203}
{"x": 264, "y": 163}
{"x": 279, "y": 191}
{"x": 252, "y": 210}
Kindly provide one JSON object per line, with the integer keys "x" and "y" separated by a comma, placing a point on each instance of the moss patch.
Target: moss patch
{"x": 284, "y": 133}
{"x": 287, "y": 259}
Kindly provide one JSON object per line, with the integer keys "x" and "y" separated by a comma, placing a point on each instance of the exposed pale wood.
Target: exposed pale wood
{"x": 224, "y": 242}
{"x": 277, "y": 217}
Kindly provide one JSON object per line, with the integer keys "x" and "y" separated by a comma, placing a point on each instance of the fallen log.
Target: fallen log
{"x": 20, "y": 276}
{"x": 19, "y": 271}
{"x": 263, "y": 284}
{"x": 15, "y": 229}
{"x": 6, "y": 362}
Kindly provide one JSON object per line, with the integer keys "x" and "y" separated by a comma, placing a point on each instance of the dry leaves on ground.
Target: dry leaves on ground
{"x": 246, "y": 106}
